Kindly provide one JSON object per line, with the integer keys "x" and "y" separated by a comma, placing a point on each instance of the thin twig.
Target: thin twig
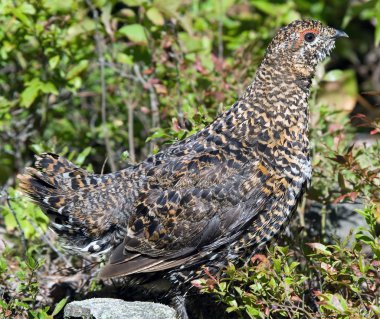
{"x": 131, "y": 141}
{"x": 153, "y": 100}
{"x": 48, "y": 241}
{"x": 23, "y": 240}
{"x": 220, "y": 34}
{"x": 283, "y": 307}
{"x": 118, "y": 69}
{"x": 177, "y": 56}
{"x": 103, "y": 166}
{"x": 99, "y": 49}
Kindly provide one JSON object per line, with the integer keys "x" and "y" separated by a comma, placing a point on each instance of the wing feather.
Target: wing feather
{"x": 172, "y": 227}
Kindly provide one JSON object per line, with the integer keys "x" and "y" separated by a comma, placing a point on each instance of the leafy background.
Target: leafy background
{"x": 105, "y": 83}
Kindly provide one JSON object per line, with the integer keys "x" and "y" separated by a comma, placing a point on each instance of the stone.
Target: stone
{"x": 109, "y": 308}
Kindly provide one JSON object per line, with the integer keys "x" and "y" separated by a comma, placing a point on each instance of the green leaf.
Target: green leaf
{"x": 29, "y": 94}
{"x": 272, "y": 9}
{"x": 135, "y": 33}
{"x": 320, "y": 248}
{"x": 3, "y": 265}
{"x": 376, "y": 309}
{"x": 339, "y": 303}
{"x": 377, "y": 30}
{"x": 55, "y": 6}
{"x": 160, "y": 133}
{"x": 3, "y": 304}
{"x": 239, "y": 291}
{"x": 83, "y": 28}
{"x": 294, "y": 265}
{"x": 362, "y": 265}
{"x": 253, "y": 312}
{"x": 231, "y": 309}
{"x": 334, "y": 75}
{"x": 155, "y": 16}
{"x": 59, "y": 306}
{"x": 76, "y": 70}
{"x": 133, "y": 3}
{"x": 83, "y": 155}
{"x": 21, "y": 275}
{"x": 222, "y": 286}
{"x": 366, "y": 238}
{"x": 53, "y": 62}
{"x": 168, "y": 7}
{"x": 27, "y": 8}
{"x": 48, "y": 87}
{"x": 19, "y": 14}
{"x": 22, "y": 304}
{"x": 191, "y": 43}
{"x": 277, "y": 265}
{"x": 38, "y": 148}
{"x": 30, "y": 262}
{"x": 124, "y": 156}
{"x": 99, "y": 3}
{"x": 124, "y": 58}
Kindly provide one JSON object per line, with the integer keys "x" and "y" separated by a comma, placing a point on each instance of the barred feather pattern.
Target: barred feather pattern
{"x": 216, "y": 196}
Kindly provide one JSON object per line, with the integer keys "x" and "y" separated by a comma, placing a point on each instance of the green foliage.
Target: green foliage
{"x": 328, "y": 281}
{"x": 342, "y": 170}
{"x": 76, "y": 73}
{"x": 21, "y": 211}
{"x": 109, "y": 82}
{"x": 23, "y": 287}
{"x": 336, "y": 280}
{"x": 366, "y": 10}
{"x": 368, "y": 236}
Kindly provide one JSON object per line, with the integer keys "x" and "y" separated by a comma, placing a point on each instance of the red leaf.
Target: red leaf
{"x": 359, "y": 116}
{"x": 199, "y": 67}
{"x": 196, "y": 284}
{"x": 295, "y": 298}
{"x": 207, "y": 272}
{"x": 176, "y": 127}
{"x": 261, "y": 258}
{"x": 218, "y": 63}
{"x": 351, "y": 195}
{"x": 160, "y": 89}
{"x": 148, "y": 71}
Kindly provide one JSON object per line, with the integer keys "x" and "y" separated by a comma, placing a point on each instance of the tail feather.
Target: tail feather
{"x": 52, "y": 180}
{"x": 75, "y": 200}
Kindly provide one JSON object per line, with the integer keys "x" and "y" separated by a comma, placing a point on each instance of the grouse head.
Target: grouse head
{"x": 302, "y": 44}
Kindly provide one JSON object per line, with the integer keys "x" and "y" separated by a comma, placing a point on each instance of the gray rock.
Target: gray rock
{"x": 344, "y": 218}
{"x": 108, "y": 308}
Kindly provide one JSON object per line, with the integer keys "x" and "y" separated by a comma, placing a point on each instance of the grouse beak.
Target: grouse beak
{"x": 340, "y": 34}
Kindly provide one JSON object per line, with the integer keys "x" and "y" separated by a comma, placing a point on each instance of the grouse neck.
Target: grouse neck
{"x": 281, "y": 78}
{"x": 281, "y": 93}
{"x": 275, "y": 101}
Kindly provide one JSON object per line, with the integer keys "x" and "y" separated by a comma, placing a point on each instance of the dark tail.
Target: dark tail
{"x": 79, "y": 204}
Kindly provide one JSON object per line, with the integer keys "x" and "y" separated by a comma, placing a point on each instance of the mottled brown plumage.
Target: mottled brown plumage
{"x": 215, "y": 196}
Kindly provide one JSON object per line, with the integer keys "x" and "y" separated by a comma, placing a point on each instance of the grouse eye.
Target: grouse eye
{"x": 309, "y": 37}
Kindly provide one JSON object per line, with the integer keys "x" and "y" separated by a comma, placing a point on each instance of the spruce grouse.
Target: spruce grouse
{"x": 213, "y": 197}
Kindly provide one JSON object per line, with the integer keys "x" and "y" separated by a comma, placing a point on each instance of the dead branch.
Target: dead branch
{"x": 47, "y": 241}
{"x": 131, "y": 136}
{"x": 153, "y": 100}
{"x": 23, "y": 240}
{"x": 99, "y": 42}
